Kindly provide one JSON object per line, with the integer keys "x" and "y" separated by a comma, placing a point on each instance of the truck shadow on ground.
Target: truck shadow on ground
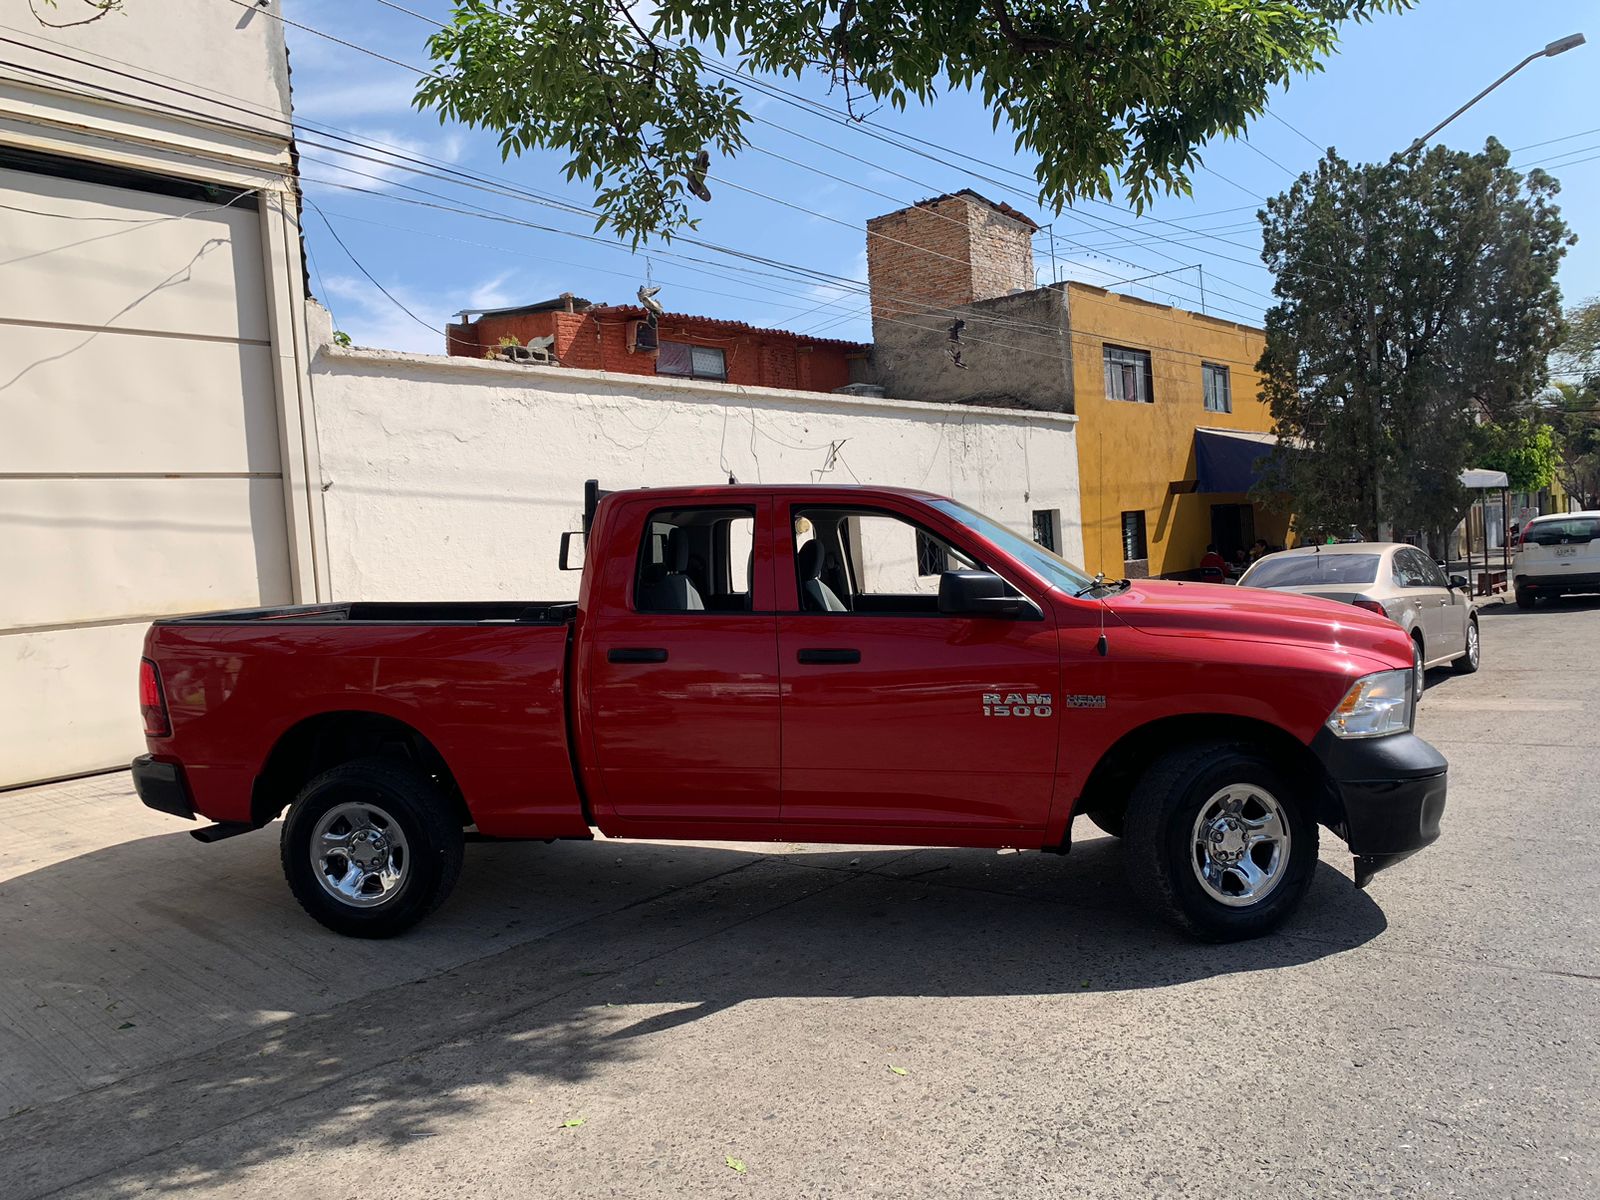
{"x": 553, "y": 962}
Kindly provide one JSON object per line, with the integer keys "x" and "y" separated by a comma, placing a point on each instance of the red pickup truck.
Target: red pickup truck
{"x": 812, "y": 664}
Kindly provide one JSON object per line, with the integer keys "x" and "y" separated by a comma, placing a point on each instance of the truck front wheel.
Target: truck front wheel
{"x": 1219, "y": 842}
{"x": 370, "y": 847}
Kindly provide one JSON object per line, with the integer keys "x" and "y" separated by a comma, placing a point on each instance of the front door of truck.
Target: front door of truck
{"x": 895, "y": 714}
{"x": 680, "y": 686}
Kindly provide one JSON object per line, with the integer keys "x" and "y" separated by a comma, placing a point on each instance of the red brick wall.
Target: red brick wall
{"x": 600, "y": 343}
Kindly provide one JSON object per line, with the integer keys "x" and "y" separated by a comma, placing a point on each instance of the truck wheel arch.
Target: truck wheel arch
{"x": 1111, "y": 781}
{"x": 316, "y": 743}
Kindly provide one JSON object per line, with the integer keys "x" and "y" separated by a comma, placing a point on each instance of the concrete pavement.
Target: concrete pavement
{"x": 171, "y": 1022}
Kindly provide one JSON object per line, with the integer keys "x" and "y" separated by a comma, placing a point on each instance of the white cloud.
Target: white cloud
{"x": 374, "y": 320}
{"x": 341, "y": 167}
{"x": 340, "y": 103}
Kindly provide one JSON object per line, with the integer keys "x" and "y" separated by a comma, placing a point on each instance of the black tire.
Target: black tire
{"x": 1419, "y": 672}
{"x": 1162, "y": 813}
{"x": 1525, "y": 599}
{"x": 432, "y": 835}
{"x": 1108, "y": 818}
{"x": 1473, "y": 658}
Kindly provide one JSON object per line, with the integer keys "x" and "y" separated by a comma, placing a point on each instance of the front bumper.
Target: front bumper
{"x": 1390, "y": 795}
{"x": 161, "y": 786}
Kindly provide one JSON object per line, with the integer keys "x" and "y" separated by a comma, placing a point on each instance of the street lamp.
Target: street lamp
{"x": 1560, "y": 46}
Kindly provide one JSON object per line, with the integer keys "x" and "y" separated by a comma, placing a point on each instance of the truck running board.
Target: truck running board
{"x": 223, "y": 829}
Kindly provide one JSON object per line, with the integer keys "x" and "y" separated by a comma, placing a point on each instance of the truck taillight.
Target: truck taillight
{"x": 1370, "y": 605}
{"x": 152, "y": 703}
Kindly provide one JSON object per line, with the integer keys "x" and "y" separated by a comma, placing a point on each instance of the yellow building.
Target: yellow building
{"x": 1170, "y": 420}
{"x": 1167, "y": 401}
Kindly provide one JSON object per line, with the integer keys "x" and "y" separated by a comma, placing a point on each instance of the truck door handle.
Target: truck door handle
{"x": 636, "y": 654}
{"x": 828, "y": 656}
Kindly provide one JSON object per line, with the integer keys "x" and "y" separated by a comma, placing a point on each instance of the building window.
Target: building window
{"x": 1047, "y": 528}
{"x": 1128, "y": 375}
{"x": 691, "y": 362}
{"x": 1218, "y": 389}
{"x": 1134, "y": 548}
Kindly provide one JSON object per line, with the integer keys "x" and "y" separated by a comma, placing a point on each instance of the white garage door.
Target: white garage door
{"x": 139, "y": 464}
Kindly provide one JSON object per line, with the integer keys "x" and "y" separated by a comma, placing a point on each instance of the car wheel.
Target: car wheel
{"x": 1419, "y": 671}
{"x": 1220, "y": 842}
{"x": 371, "y": 847}
{"x": 1468, "y": 662}
{"x": 1525, "y": 599}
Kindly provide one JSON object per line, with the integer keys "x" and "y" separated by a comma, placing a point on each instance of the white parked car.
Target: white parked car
{"x": 1389, "y": 578}
{"x": 1556, "y": 555}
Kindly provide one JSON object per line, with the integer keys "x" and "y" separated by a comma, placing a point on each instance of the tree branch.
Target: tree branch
{"x": 1020, "y": 43}
{"x": 102, "y": 8}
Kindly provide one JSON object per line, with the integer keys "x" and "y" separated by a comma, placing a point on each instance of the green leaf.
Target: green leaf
{"x": 899, "y": 1070}
{"x": 574, "y": 1122}
{"x": 736, "y": 1164}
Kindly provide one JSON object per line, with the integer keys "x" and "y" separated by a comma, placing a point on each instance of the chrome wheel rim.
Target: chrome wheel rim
{"x": 1472, "y": 643}
{"x": 1240, "y": 845}
{"x": 359, "y": 854}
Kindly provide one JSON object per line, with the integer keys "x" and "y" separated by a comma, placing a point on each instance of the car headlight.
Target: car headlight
{"x": 1375, "y": 705}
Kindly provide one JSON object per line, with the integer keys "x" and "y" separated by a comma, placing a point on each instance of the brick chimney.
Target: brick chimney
{"x": 946, "y": 252}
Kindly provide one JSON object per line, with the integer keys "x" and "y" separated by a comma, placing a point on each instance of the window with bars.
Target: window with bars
{"x": 691, "y": 362}
{"x": 1128, "y": 375}
{"x": 1134, "y": 547}
{"x": 1218, "y": 388}
{"x": 1047, "y": 528}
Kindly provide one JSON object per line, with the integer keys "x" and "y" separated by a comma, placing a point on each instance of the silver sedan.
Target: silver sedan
{"x": 1389, "y": 578}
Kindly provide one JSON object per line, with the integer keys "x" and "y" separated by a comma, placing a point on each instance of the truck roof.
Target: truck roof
{"x": 735, "y": 491}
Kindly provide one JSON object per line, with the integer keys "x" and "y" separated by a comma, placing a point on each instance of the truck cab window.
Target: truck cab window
{"x": 869, "y": 561}
{"x": 696, "y": 560}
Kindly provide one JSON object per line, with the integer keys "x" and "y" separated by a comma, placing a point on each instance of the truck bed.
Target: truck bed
{"x": 483, "y": 683}
{"x": 430, "y": 612}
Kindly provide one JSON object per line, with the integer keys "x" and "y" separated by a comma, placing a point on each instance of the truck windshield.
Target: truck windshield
{"x": 1049, "y": 566}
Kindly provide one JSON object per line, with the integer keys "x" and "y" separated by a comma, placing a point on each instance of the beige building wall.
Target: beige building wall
{"x": 157, "y": 450}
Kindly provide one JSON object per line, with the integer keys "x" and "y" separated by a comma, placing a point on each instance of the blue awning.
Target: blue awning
{"x": 1227, "y": 459}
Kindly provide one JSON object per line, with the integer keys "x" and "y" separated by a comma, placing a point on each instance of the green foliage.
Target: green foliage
{"x": 1523, "y": 448}
{"x": 1417, "y": 299}
{"x": 341, "y": 338}
{"x": 1574, "y": 407}
{"x": 1102, "y": 91}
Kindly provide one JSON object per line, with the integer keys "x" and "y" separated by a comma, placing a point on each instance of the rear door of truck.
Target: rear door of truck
{"x": 679, "y": 679}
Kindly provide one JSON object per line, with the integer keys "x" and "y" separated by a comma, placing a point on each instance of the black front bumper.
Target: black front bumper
{"x": 161, "y": 786}
{"x": 1389, "y": 794}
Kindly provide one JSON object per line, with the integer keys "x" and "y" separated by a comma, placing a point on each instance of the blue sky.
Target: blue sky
{"x": 1391, "y": 80}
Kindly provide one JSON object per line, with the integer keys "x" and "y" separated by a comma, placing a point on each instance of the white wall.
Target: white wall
{"x": 449, "y": 478}
{"x": 154, "y": 402}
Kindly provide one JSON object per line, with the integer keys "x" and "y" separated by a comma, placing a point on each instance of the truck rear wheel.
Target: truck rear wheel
{"x": 1219, "y": 842}
{"x": 370, "y": 847}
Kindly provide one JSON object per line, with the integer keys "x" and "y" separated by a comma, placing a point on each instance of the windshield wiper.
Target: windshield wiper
{"x": 1098, "y": 583}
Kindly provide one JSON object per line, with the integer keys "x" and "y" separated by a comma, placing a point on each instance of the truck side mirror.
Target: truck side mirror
{"x": 984, "y": 594}
{"x": 570, "y": 539}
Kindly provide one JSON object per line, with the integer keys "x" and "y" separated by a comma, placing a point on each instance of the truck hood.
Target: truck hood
{"x": 1166, "y": 608}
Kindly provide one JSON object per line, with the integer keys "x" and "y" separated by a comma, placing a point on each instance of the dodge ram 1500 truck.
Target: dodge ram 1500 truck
{"x": 812, "y": 664}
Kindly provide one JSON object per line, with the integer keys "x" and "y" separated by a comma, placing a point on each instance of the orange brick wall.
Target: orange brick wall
{"x": 754, "y": 358}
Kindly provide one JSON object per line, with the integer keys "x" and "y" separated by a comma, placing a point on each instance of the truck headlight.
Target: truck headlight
{"x": 1375, "y": 705}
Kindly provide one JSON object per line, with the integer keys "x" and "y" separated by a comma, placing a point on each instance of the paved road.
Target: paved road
{"x": 169, "y": 1022}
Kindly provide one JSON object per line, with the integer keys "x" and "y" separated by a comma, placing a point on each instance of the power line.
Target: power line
{"x": 1321, "y": 150}
{"x": 808, "y": 273}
